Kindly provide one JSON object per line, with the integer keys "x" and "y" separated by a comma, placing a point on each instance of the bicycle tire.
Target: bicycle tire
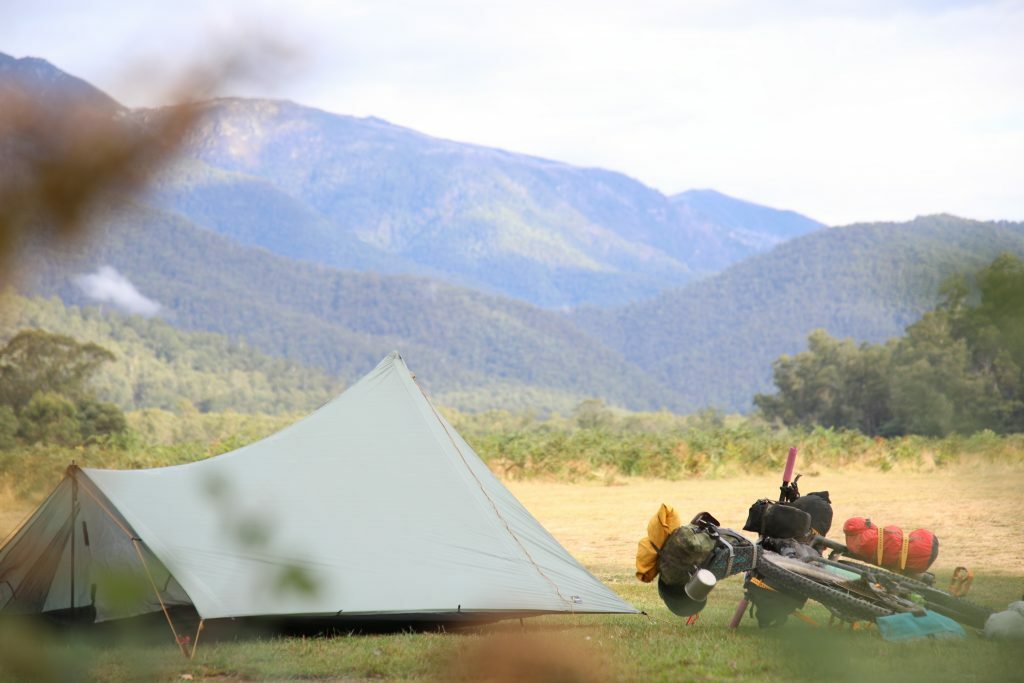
{"x": 959, "y": 609}
{"x": 839, "y": 602}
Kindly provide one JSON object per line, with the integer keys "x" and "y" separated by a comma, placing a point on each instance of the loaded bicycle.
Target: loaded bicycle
{"x": 792, "y": 561}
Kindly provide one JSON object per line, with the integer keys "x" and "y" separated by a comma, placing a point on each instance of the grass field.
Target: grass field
{"x": 974, "y": 511}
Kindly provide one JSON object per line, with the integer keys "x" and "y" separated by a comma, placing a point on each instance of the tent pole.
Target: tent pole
{"x": 195, "y": 641}
{"x": 110, "y": 514}
{"x": 145, "y": 565}
{"x": 138, "y": 550}
{"x": 74, "y": 505}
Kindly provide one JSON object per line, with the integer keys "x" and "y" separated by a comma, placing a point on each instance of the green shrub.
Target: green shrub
{"x": 50, "y": 417}
{"x": 8, "y": 427}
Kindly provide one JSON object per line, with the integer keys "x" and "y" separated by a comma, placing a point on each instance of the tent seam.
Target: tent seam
{"x": 490, "y": 500}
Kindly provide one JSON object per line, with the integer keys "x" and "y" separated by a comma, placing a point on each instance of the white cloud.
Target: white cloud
{"x": 107, "y": 285}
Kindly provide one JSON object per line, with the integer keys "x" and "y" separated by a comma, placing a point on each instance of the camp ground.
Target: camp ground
{"x": 371, "y": 508}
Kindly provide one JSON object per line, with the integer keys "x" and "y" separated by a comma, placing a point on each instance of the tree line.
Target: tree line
{"x": 959, "y": 369}
{"x": 45, "y": 394}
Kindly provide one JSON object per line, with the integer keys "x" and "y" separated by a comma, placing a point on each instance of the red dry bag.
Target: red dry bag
{"x": 890, "y": 547}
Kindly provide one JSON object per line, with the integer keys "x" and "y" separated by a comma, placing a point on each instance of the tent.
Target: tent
{"x": 373, "y": 506}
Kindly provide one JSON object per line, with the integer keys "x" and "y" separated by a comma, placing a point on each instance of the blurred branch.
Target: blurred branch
{"x": 59, "y": 164}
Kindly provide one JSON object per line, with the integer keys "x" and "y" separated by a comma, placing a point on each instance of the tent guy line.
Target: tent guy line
{"x": 489, "y": 499}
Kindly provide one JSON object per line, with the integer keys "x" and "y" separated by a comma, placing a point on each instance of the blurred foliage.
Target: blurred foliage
{"x": 69, "y": 154}
{"x": 959, "y": 369}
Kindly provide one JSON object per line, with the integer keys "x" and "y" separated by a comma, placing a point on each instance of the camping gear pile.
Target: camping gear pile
{"x": 879, "y": 576}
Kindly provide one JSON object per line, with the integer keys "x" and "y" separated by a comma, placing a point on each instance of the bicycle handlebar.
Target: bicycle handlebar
{"x": 787, "y": 475}
{"x": 789, "y": 491}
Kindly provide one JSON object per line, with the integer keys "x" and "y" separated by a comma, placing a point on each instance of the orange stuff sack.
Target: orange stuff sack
{"x": 661, "y": 525}
{"x": 891, "y": 547}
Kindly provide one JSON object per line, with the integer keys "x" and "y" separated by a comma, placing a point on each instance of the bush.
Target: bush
{"x": 98, "y": 419}
{"x": 52, "y": 418}
{"x": 8, "y": 428}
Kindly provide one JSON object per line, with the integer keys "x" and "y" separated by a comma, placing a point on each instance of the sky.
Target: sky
{"x": 845, "y": 110}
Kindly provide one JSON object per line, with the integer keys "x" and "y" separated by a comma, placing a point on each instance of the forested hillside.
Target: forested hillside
{"x": 155, "y": 365}
{"x": 711, "y": 343}
{"x": 714, "y": 340}
{"x": 475, "y": 350}
{"x": 960, "y": 368}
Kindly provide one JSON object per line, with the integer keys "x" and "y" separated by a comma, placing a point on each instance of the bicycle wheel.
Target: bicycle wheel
{"x": 841, "y": 603}
{"x": 959, "y": 609}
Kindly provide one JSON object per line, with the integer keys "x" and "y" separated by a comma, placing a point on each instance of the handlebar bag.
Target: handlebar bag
{"x": 785, "y": 521}
{"x": 778, "y": 520}
{"x": 755, "y": 516}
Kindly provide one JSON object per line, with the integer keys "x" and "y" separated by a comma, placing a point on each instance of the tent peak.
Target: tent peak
{"x": 392, "y": 357}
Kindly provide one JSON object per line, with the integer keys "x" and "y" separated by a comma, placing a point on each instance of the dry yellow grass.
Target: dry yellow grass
{"x": 976, "y": 513}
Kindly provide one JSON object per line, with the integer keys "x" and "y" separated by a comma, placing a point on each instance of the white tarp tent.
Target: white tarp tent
{"x": 372, "y": 505}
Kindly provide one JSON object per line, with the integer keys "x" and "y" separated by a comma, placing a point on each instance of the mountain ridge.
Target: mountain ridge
{"x": 368, "y": 194}
{"x": 869, "y": 281}
{"x": 43, "y": 80}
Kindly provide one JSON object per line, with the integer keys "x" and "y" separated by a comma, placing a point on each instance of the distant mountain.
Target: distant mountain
{"x": 714, "y": 340}
{"x": 253, "y": 211}
{"x": 363, "y": 194}
{"x": 45, "y": 82}
{"x": 477, "y": 350}
{"x": 534, "y": 229}
{"x": 749, "y": 226}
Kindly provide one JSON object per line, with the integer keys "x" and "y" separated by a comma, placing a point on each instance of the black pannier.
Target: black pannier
{"x": 777, "y": 520}
{"x": 819, "y": 507}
